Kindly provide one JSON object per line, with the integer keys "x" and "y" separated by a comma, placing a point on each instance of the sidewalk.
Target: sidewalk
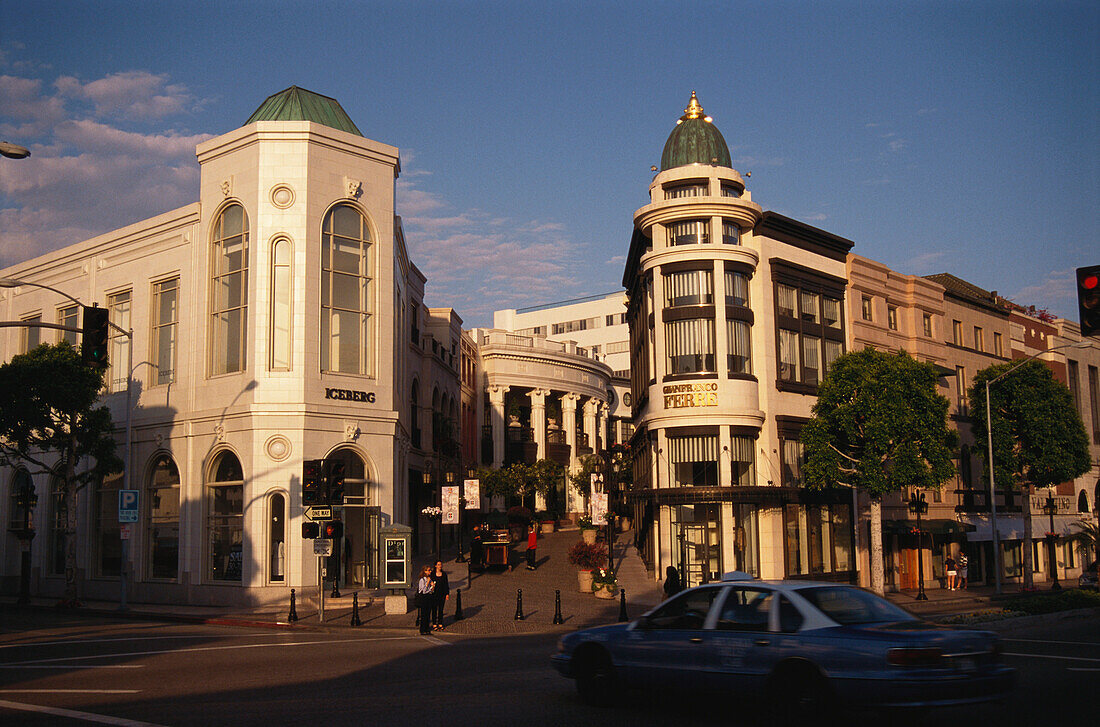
{"x": 489, "y": 600}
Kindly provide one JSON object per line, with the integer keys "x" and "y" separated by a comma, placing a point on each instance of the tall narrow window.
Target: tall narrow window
{"x": 20, "y": 479}
{"x": 280, "y": 306}
{"x": 892, "y": 317}
{"x": 737, "y": 288}
{"x": 867, "y": 308}
{"x": 810, "y": 304}
{"x": 811, "y": 359}
{"x": 345, "y": 292}
{"x": 229, "y": 291}
{"x": 106, "y": 544}
{"x": 739, "y": 355}
{"x": 276, "y": 535}
{"x": 691, "y": 287}
{"x": 69, "y": 316}
{"x": 787, "y": 298}
{"x": 788, "y": 355}
{"x": 164, "y": 519}
{"x": 731, "y": 233}
{"x": 831, "y": 308}
{"x": 742, "y": 461}
{"x": 1094, "y": 403}
{"x": 165, "y": 326}
{"x": 832, "y": 351}
{"x": 119, "y": 351}
{"x": 31, "y": 334}
{"x": 225, "y": 519}
{"x": 926, "y": 322}
{"x": 960, "y": 388}
{"x": 791, "y": 465}
{"x": 998, "y": 346}
{"x": 979, "y": 339}
{"x": 1073, "y": 374}
{"x": 957, "y": 333}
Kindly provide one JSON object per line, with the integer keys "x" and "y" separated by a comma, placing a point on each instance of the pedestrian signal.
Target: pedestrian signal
{"x": 333, "y": 530}
{"x": 311, "y": 530}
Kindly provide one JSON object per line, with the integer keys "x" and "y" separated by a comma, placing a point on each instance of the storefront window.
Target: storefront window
{"x": 818, "y": 539}
{"x": 107, "y": 543}
{"x": 225, "y": 519}
{"x": 164, "y": 519}
{"x": 694, "y": 460}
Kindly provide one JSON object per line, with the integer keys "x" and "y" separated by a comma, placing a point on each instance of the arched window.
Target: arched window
{"x": 346, "y": 292}
{"x": 107, "y": 543}
{"x": 279, "y": 334}
{"x": 229, "y": 291}
{"x": 20, "y": 481}
{"x": 58, "y": 517}
{"x": 1083, "y": 502}
{"x": 225, "y": 518}
{"x": 276, "y": 537}
{"x": 164, "y": 518}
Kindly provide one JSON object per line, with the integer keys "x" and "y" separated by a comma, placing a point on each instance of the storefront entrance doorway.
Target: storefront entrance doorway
{"x": 698, "y": 532}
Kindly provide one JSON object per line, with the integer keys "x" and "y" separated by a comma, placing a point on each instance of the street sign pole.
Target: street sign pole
{"x": 321, "y": 589}
{"x": 127, "y": 514}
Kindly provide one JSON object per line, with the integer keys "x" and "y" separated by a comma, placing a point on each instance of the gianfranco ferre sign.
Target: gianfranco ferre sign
{"x": 679, "y": 396}
{"x": 349, "y": 395}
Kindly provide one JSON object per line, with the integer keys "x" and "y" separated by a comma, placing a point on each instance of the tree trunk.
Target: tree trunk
{"x": 70, "y": 490}
{"x": 878, "y": 579}
{"x": 1029, "y": 577}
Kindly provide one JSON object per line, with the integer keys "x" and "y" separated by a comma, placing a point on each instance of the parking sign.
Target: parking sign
{"x": 127, "y": 506}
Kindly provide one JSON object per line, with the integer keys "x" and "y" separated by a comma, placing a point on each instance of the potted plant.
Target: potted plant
{"x": 547, "y": 521}
{"x": 588, "y": 529}
{"x": 604, "y": 584}
{"x": 587, "y": 557}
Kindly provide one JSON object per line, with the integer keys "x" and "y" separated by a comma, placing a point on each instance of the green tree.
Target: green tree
{"x": 1039, "y": 439}
{"x": 879, "y": 425}
{"x": 50, "y": 424}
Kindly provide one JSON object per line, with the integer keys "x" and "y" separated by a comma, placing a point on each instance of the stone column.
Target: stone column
{"x": 569, "y": 424}
{"x": 601, "y": 419}
{"x": 590, "y": 406}
{"x": 496, "y": 401}
{"x": 538, "y": 420}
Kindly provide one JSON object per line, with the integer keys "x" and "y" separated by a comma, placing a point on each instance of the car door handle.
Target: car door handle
{"x": 762, "y": 642}
{"x": 696, "y": 640}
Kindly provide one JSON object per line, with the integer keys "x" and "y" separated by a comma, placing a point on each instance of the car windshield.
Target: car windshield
{"x": 852, "y": 606}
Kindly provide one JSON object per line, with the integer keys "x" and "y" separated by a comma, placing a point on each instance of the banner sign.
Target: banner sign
{"x": 450, "y": 505}
{"x": 473, "y": 494}
{"x": 599, "y": 508}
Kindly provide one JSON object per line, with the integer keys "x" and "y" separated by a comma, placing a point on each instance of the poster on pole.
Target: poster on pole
{"x": 599, "y": 508}
{"x": 473, "y": 494}
{"x": 450, "y": 505}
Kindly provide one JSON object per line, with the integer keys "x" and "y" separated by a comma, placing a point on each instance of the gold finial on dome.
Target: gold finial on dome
{"x": 693, "y": 110}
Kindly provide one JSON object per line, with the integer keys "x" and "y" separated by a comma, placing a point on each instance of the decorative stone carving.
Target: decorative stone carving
{"x": 219, "y": 433}
{"x": 282, "y": 196}
{"x": 227, "y": 187}
{"x": 351, "y": 431}
{"x": 354, "y": 187}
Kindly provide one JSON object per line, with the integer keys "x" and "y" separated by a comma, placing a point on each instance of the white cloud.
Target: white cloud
{"x": 1057, "y": 293}
{"x": 925, "y": 264}
{"x": 131, "y": 94}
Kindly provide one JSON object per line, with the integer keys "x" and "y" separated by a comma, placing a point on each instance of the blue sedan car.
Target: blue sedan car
{"x": 804, "y": 646}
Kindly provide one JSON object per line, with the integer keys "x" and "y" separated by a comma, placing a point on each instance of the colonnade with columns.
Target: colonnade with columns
{"x": 594, "y": 424}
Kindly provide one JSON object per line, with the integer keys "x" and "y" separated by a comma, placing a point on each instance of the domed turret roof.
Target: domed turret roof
{"x": 695, "y": 140}
{"x": 298, "y": 104}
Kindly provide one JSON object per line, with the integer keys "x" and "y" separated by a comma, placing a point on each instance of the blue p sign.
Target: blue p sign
{"x": 127, "y": 506}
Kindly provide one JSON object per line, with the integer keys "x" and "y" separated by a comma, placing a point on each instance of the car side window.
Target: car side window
{"x": 790, "y": 618}
{"x": 688, "y": 611}
{"x": 745, "y": 609}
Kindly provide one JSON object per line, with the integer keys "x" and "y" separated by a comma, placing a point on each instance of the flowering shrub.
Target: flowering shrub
{"x": 432, "y": 511}
{"x": 585, "y": 523}
{"x": 588, "y": 556}
{"x": 604, "y": 578}
{"x": 519, "y": 514}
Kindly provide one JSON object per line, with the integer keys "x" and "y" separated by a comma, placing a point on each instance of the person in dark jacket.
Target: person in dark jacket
{"x": 424, "y": 600}
{"x": 441, "y": 591}
{"x": 672, "y": 581}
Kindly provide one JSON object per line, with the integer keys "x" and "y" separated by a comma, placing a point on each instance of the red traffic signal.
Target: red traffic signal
{"x": 1088, "y": 299}
{"x": 311, "y": 530}
{"x": 332, "y": 529}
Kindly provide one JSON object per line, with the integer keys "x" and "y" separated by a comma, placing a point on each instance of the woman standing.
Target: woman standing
{"x": 441, "y": 591}
{"x": 424, "y": 600}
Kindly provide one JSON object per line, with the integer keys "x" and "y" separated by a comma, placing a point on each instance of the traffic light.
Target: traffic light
{"x": 335, "y": 480}
{"x": 311, "y": 530}
{"x": 333, "y": 529}
{"x": 1088, "y": 299}
{"x": 93, "y": 340}
{"x": 312, "y": 483}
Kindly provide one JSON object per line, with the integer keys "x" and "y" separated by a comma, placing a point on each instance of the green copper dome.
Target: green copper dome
{"x": 298, "y": 104}
{"x": 695, "y": 140}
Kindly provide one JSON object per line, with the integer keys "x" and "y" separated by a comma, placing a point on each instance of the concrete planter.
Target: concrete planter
{"x": 589, "y": 536}
{"x": 584, "y": 581}
{"x": 605, "y": 591}
{"x": 547, "y": 526}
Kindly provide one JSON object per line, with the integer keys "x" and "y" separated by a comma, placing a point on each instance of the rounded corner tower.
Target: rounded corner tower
{"x": 695, "y": 140}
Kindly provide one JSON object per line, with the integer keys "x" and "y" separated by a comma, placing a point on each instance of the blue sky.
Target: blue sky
{"x": 938, "y": 136}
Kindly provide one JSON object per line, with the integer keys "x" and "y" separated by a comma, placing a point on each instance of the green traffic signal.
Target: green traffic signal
{"x": 94, "y": 337}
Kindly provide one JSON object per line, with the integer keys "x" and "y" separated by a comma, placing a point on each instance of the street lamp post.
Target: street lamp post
{"x": 1051, "y": 507}
{"x": 919, "y": 506}
{"x": 989, "y": 439}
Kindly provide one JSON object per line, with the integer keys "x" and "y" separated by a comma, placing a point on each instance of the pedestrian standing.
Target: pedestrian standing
{"x": 672, "y": 581}
{"x": 441, "y": 591}
{"x": 424, "y": 600}
{"x": 961, "y": 578}
{"x": 532, "y": 544}
{"x": 949, "y": 566}
{"x": 477, "y": 550}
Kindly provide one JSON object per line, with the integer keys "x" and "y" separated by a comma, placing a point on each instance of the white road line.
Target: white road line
{"x": 1080, "y": 668}
{"x": 70, "y": 691}
{"x": 1044, "y": 641}
{"x": 135, "y": 638}
{"x": 203, "y": 648}
{"x": 72, "y": 666}
{"x": 436, "y": 641}
{"x": 73, "y": 714}
{"x": 1046, "y": 656}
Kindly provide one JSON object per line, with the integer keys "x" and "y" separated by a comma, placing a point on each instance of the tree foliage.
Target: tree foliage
{"x": 1038, "y": 435}
{"x": 50, "y": 424}
{"x": 880, "y": 425}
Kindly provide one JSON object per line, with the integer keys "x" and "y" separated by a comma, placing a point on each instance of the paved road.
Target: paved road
{"x": 57, "y": 669}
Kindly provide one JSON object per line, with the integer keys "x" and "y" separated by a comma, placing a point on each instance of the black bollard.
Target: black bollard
{"x": 519, "y": 605}
{"x": 458, "y": 605}
{"x": 293, "y": 611}
{"x": 355, "y": 620}
{"x": 557, "y": 607}
{"x": 335, "y": 586}
{"x": 622, "y": 605}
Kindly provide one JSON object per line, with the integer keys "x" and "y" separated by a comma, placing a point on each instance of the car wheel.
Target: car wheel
{"x": 595, "y": 677}
{"x": 801, "y": 695}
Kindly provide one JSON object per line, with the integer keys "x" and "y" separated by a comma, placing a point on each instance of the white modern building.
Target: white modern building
{"x": 276, "y": 319}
